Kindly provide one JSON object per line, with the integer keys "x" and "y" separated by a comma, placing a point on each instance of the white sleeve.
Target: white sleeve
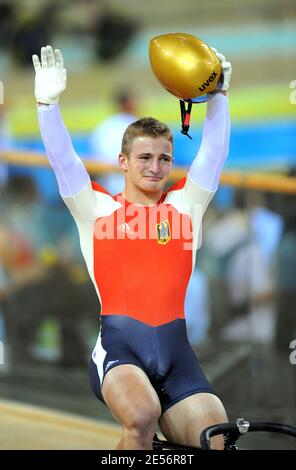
{"x": 207, "y": 166}
{"x": 69, "y": 169}
{"x": 190, "y": 197}
{"x": 193, "y": 200}
{"x": 88, "y": 204}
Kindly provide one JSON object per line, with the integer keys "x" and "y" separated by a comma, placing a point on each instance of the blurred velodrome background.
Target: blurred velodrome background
{"x": 48, "y": 308}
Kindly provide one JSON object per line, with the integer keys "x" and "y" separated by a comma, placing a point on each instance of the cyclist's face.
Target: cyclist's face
{"x": 149, "y": 163}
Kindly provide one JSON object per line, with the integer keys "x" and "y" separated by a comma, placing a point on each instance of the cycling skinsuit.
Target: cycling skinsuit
{"x": 140, "y": 259}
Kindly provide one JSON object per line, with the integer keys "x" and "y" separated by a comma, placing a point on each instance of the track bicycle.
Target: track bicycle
{"x": 232, "y": 432}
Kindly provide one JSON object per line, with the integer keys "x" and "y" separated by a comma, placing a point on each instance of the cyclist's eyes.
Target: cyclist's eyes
{"x": 148, "y": 158}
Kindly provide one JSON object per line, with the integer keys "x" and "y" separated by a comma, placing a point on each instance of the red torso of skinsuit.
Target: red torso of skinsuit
{"x": 141, "y": 257}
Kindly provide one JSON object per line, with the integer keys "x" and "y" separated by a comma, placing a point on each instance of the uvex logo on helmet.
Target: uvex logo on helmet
{"x": 209, "y": 80}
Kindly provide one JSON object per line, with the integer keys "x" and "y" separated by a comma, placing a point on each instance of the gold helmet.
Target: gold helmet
{"x": 186, "y": 67}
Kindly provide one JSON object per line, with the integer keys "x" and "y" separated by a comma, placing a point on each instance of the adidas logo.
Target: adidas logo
{"x": 125, "y": 228}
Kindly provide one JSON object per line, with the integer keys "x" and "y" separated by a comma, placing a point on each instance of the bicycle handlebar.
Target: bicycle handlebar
{"x": 233, "y": 431}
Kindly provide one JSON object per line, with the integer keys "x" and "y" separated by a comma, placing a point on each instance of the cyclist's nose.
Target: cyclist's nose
{"x": 154, "y": 166}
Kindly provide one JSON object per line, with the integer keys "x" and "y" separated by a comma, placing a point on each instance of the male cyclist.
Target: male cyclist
{"x": 139, "y": 247}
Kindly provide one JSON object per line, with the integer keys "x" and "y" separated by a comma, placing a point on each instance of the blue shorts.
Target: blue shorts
{"x": 163, "y": 353}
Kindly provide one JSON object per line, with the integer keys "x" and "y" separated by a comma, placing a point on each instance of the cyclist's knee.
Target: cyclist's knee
{"x": 142, "y": 423}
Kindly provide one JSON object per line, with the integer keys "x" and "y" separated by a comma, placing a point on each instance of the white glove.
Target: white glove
{"x": 226, "y": 71}
{"x": 51, "y": 77}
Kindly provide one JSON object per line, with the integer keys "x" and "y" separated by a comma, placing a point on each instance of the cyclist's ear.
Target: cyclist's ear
{"x": 123, "y": 162}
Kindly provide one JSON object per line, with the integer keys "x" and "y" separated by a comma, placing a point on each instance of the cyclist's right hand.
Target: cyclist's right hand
{"x": 50, "y": 77}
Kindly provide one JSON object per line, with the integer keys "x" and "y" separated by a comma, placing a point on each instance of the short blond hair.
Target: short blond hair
{"x": 147, "y": 126}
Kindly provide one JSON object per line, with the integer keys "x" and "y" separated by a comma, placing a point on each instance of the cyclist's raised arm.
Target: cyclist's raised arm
{"x": 194, "y": 193}
{"x": 207, "y": 166}
{"x": 50, "y": 81}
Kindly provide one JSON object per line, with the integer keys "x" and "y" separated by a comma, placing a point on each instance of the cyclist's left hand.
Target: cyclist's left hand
{"x": 226, "y": 72}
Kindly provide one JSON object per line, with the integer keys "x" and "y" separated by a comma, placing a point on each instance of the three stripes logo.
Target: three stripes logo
{"x": 125, "y": 228}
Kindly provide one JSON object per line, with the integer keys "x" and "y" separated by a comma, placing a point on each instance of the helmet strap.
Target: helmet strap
{"x": 185, "y": 117}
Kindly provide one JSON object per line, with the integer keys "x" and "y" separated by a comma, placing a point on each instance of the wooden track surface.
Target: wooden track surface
{"x": 25, "y": 427}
